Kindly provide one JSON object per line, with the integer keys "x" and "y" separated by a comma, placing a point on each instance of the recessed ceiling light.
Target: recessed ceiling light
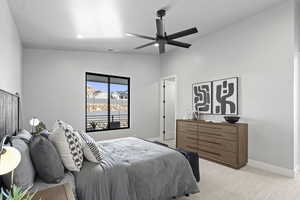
{"x": 156, "y": 44}
{"x": 129, "y": 35}
{"x": 80, "y": 36}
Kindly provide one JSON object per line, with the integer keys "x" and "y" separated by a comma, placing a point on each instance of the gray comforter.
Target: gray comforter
{"x": 134, "y": 169}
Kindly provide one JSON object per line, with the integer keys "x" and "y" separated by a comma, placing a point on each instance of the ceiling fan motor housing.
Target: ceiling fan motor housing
{"x": 161, "y": 13}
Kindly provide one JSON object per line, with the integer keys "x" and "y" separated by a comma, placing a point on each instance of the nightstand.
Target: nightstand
{"x": 61, "y": 192}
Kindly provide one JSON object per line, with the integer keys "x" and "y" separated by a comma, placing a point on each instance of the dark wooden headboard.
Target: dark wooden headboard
{"x": 9, "y": 113}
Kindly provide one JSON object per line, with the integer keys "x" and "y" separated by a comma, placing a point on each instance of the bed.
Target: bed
{"x": 133, "y": 169}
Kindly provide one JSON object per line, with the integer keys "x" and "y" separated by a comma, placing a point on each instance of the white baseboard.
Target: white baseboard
{"x": 272, "y": 168}
{"x": 297, "y": 169}
{"x": 154, "y": 139}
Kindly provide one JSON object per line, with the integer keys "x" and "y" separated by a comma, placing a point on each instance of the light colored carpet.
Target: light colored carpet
{"x": 223, "y": 183}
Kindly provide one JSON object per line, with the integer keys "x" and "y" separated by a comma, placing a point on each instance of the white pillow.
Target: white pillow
{"x": 69, "y": 145}
{"x": 90, "y": 149}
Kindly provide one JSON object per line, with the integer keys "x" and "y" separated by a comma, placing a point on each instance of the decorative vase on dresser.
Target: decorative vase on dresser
{"x": 223, "y": 143}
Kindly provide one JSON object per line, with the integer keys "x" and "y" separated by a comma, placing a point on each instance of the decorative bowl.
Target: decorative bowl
{"x": 232, "y": 119}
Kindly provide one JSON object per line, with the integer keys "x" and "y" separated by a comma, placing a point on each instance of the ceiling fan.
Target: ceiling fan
{"x": 162, "y": 38}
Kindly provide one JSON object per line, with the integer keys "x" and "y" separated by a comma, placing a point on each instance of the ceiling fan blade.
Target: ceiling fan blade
{"x": 182, "y": 33}
{"x": 145, "y": 45}
{"x": 162, "y": 48}
{"x": 140, "y": 36}
{"x": 178, "y": 44}
{"x": 160, "y": 27}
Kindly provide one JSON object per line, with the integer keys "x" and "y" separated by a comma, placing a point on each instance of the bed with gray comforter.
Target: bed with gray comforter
{"x": 134, "y": 169}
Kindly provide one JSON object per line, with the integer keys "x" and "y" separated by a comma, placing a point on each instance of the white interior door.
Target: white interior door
{"x": 170, "y": 95}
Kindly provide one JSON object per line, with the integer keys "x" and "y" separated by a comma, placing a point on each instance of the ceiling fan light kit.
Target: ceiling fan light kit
{"x": 161, "y": 38}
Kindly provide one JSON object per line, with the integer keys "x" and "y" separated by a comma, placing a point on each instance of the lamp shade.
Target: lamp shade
{"x": 9, "y": 159}
{"x": 34, "y": 121}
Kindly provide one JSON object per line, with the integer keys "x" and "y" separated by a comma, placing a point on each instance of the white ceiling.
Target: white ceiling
{"x": 103, "y": 23}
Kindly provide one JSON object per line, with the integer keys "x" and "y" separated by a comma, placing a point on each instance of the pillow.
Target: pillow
{"x": 45, "y": 132}
{"x": 68, "y": 144}
{"x": 46, "y": 159}
{"x": 24, "y": 174}
{"x": 25, "y": 135}
{"x": 91, "y": 151}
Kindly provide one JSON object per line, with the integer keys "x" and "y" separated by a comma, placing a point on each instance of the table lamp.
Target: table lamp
{"x": 10, "y": 158}
{"x": 33, "y": 123}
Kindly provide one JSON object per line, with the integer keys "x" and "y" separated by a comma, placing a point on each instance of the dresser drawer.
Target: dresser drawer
{"x": 180, "y": 141}
{"x": 187, "y": 127}
{"x": 187, "y": 141}
{"x": 225, "y": 157}
{"x": 214, "y": 128}
{"x": 191, "y": 147}
{"x": 188, "y": 132}
{"x": 188, "y": 138}
{"x": 220, "y": 135}
{"x": 216, "y": 143}
{"x": 191, "y": 138}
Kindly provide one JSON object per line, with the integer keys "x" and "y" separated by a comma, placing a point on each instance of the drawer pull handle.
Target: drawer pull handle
{"x": 192, "y": 138}
{"x": 190, "y": 130}
{"x": 211, "y": 127}
{"x": 211, "y": 142}
{"x": 191, "y": 147}
{"x": 217, "y": 154}
{"x": 215, "y": 134}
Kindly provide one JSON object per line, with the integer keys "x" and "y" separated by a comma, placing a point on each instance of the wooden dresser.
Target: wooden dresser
{"x": 220, "y": 142}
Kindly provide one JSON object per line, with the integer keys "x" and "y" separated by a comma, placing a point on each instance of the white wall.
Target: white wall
{"x": 10, "y": 51}
{"x": 54, "y": 88}
{"x": 260, "y": 51}
{"x": 296, "y": 110}
{"x": 297, "y": 84}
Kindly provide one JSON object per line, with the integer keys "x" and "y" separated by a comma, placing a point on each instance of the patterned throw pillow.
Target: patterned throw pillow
{"x": 91, "y": 151}
{"x": 69, "y": 145}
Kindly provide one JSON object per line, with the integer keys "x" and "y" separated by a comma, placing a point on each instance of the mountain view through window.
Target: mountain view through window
{"x": 107, "y": 102}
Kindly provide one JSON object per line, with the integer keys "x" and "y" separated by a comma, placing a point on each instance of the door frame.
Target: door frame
{"x": 161, "y": 134}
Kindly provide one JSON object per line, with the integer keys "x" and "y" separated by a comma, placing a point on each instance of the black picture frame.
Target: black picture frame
{"x": 211, "y": 97}
{"x": 236, "y": 99}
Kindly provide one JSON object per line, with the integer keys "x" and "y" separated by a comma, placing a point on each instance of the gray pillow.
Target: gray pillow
{"x": 46, "y": 159}
{"x": 24, "y": 174}
{"x": 25, "y": 135}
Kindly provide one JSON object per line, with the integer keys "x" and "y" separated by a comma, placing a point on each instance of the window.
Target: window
{"x": 107, "y": 102}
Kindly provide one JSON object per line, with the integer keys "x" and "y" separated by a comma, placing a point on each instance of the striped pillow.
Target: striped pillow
{"x": 90, "y": 150}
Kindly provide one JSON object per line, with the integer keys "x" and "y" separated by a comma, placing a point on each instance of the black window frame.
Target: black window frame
{"x": 109, "y": 77}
